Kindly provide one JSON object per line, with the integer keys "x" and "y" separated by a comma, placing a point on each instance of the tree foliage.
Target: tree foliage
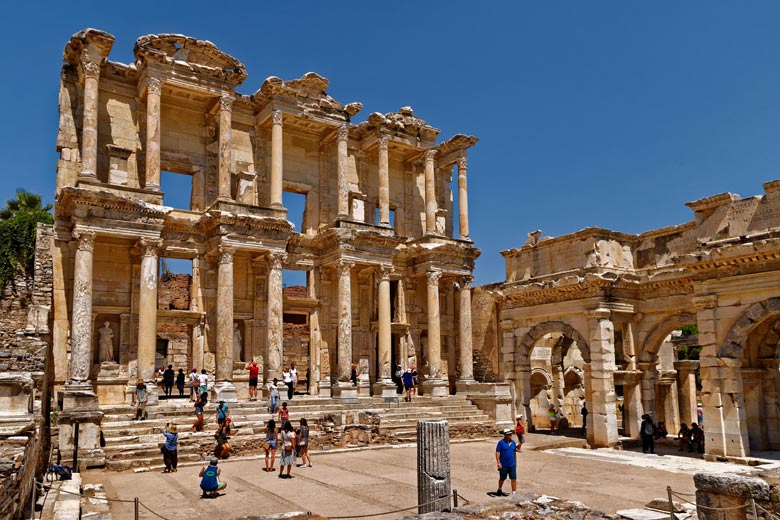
{"x": 18, "y": 221}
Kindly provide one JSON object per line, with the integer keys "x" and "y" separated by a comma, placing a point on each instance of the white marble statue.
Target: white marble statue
{"x": 237, "y": 343}
{"x": 106, "y": 343}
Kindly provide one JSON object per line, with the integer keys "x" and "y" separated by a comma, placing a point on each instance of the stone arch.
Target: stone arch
{"x": 737, "y": 336}
{"x": 655, "y": 338}
{"x": 541, "y": 372}
{"x": 527, "y": 342}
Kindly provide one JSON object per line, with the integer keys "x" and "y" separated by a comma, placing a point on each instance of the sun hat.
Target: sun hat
{"x": 172, "y": 429}
{"x": 507, "y": 431}
{"x": 519, "y": 416}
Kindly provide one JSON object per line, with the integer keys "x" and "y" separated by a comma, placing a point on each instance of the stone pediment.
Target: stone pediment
{"x": 403, "y": 121}
{"x": 309, "y": 91}
{"x": 202, "y": 55}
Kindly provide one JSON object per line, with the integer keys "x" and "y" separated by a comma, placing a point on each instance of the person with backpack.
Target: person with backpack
{"x": 169, "y": 451}
{"x": 194, "y": 385}
{"x": 520, "y": 431}
{"x": 180, "y": 378}
{"x": 287, "y": 441}
{"x": 139, "y": 401}
{"x": 697, "y": 439}
{"x": 647, "y": 432}
{"x": 200, "y": 404}
{"x": 223, "y": 412}
{"x": 408, "y": 379}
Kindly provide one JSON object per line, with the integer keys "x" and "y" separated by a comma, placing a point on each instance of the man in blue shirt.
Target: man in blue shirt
{"x": 506, "y": 460}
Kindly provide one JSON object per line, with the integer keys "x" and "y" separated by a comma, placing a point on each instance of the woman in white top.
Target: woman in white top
{"x": 194, "y": 384}
{"x": 288, "y": 380}
{"x": 287, "y": 441}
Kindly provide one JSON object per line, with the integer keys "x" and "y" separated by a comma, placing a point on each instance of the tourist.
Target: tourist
{"x": 159, "y": 379}
{"x": 204, "y": 381}
{"x": 222, "y": 448}
{"x": 553, "y": 419}
{"x": 284, "y": 415}
{"x": 353, "y": 375}
{"x": 169, "y": 451}
{"x": 210, "y": 483}
{"x": 180, "y": 377}
{"x": 168, "y": 378}
{"x": 273, "y": 395}
{"x": 660, "y": 431}
{"x": 253, "y": 373}
{"x": 139, "y": 400}
{"x": 200, "y": 404}
{"x": 287, "y": 380}
{"x": 520, "y": 431}
{"x": 302, "y": 443}
{"x": 294, "y": 377}
{"x": 506, "y": 460}
{"x": 270, "y": 445}
{"x": 223, "y": 412}
{"x": 408, "y": 379}
{"x": 194, "y": 384}
{"x": 699, "y": 414}
{"x": 647, "y": 433}
{"x": 584, "y": 413}
{"x": 287, "y": 440}
{"x": 683, "y": 437}
{"x": 697, "y": 439}
{"x": 398, "y": 378}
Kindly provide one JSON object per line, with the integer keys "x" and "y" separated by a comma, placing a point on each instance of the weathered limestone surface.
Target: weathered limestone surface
{"x": 433, "y": 466}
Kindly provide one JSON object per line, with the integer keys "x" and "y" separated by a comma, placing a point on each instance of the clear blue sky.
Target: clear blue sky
{"x": 599, "y": 113}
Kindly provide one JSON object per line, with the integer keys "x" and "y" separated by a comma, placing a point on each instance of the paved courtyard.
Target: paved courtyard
{"x": 377, "y": 480}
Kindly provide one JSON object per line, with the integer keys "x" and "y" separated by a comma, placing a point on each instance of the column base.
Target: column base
{"x": 364, "y": 388}
{"x": 386, "y": 389}
{"x": 80, "y": 410}
{"x": 224, "y": 391}
{"x": 324, "y": 388}
{"x": 436, "y": 388}
{"x": 344, "y": 390}
{"x": 152, "y": 394}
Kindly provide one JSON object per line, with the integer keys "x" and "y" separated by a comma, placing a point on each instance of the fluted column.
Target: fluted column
{"x": 275, "y": 331}
{"x": 81, "y": 322}
{"x": 225, "y": 144}
{"x": 384, "y": 182}
{"x": 385, "y": 334}
{"x": 465, "y": 361}
{"x": 344, "y": 361}
{"x": 225, "y": 314}
{"x": 89, "y": 122}
{"x": 342, "y": 171}
{"x": 277, "y": 151}
{"x": 147, "y": 308}
{"x": 433, "y": 355}
{"x": 431, "y": 206}
{"x": 153, "y": 93}
{"x": 463, "y": 200}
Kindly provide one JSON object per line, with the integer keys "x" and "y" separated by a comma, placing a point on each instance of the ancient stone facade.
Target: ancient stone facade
{"x": 617, "y": 299}
{"x": 388, "y": 274}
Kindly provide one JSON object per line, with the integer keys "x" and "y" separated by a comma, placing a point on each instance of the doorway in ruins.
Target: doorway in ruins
{"x": 557, "y": 382}
{"x": 296, "y": 320}
{"x": 177, "y": 316}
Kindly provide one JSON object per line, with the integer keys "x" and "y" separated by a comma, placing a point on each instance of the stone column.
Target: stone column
{"x": 224, "y": 389}
{"x": 431, "y": 206}
{"x": 275, "y": 322}
{"x": 89, "y": 124}
{"x": 342, "y": 171}
{"x": 602, "y": 417}
{"x": 153, "y": 93}
{"x": 632, "y": 404}
{"x": 344, "y": 386}
{"x": 463, "y": 200}
{"x": 629, "y": 350}
{"x": 384, "y": 182}
{"x": 225, "y": 145}
{"x": 686, "y": 380}
{"x": 433, "y": 466}
{"x": 81, "y": 321}
{"x": 385, "y": 384}
{"x": 649, "y": 375}
{"x": 277, "y": 151}
{"x": 434, "y": 385}
{"x": 466, "y": 359}
{"x": 313, "y": 286}
{"x": 770, "y": 387}
{"x": 147, "y": 314}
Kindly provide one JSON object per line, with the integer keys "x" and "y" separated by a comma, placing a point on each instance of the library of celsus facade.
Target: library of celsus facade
{"x": 596, "y": 317}
{"x": 388, "y": 266}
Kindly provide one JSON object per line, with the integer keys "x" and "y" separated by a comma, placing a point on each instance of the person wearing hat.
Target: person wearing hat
{"x": 520, "y": 431}
{"x": 169, "y": 451}
{"x": 139, "y": 400}
{"x": 647, "y": 432}
{"x": 506, "y": 460}
{"x": 209, "y": 482}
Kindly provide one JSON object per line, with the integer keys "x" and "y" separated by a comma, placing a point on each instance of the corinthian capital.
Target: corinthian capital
{"x": 384, "y": 271}
{"x": 344, "y": 267}
{"x": 226, "y": 102}
{"x": 430, "y": 154}
{"x": 90, "y": 69}
{"x": 462, "y": 164}
{"x": 383, "y": 140}
{"x": 85, "y": 240}
{"x": 276, "y": 117}
{"x": 433, "y": 276}
{"x": 276, "y": 259}
{"x": 467, "y": 281}
{"x": 153, "y": 86}
{"x": 343, "y": 131}
{"x": 149, "y": 246}
{"x": 226, "y": 254}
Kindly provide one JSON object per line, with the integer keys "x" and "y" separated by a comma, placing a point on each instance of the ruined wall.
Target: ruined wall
{"x": 484, "y": 332}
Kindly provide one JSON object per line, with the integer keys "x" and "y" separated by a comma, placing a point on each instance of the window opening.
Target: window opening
{"x": 175, "y": 283}
{"x": 294, "y": 279}
{"x": 296, "y": 209}
{"x": 177, "y": 189}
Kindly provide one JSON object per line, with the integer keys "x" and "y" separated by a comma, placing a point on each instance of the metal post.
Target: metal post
{"x": 76, "y": 447}
{"x": 671, "y": 504}
{"x": 454, "y": 498}
{"x": 135, "y": 504}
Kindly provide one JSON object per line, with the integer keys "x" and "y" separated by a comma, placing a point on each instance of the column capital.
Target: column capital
{"x": 149, "y": 246}
{"x": 276, "y": 259}
{"x": 226, "y": 254}
{"x": 708, "y": 301}
{"x": 384, "y": 271}
{"x": 90, "y": 69}
{"x": 85, "y": 240}
{"x": 277, "y": 117}
{"x": 462, "y": 163}
{"x": 433, "y": 276}
{"x": 383, "y": 142}
{"x": 344, "y": 266}
{"x": 430, "y": 154}
{"x": 467, "y": 280}
{"x": 153, "y": 85}
{"x": 343, "y": 131}
{"x": 226, "y": 102}
{"x": 599, "y": 314}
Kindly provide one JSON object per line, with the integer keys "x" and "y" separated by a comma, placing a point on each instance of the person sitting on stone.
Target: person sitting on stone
{"x": 697, "y": 439}
{"x": 222, "y": 449}
{"x": 683, "y": 437}
{"x": 210, "y": 483}
{"x": 660, "y": 430}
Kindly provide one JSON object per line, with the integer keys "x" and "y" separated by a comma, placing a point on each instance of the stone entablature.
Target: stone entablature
{"x": 618, "y": 297}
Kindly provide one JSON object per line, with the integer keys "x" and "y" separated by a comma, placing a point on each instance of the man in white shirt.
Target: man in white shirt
{"x": 294, "y": 376}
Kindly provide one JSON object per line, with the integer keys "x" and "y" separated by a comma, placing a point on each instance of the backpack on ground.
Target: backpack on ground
{"x": 62, "y": 472}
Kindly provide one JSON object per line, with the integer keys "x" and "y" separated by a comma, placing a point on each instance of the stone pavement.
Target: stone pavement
{"x": 377, "y": 480}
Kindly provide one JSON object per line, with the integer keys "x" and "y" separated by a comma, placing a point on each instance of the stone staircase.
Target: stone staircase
{"x": 131, "y": 443}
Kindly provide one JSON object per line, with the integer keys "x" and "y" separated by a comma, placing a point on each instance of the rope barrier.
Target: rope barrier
{"x": 743, "y": 506}
{"x": 390, "y": 512}
{"x": 769, "y": 514}
{"x": 155, "y": 514}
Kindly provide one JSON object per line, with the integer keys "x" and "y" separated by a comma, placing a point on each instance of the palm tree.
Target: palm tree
{"x": 25, "y": 202}
{"x": 18, "y": 223}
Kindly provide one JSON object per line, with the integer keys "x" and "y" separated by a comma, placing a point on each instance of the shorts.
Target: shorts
{"x": 221, "y": 420}
{"x": 271, "y": 443}
{"x": 504, "y": 472}
{"x": 408, "y": 387}
{"x": 253, "y": 382}
{"x": 520, "y": 438}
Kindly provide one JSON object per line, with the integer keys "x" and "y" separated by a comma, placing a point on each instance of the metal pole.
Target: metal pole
{"x": 671, "y": 504}
{"x": 454, "y": 498}
{"x": 76, "y": 447}
{"x": 135, "y": 504}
